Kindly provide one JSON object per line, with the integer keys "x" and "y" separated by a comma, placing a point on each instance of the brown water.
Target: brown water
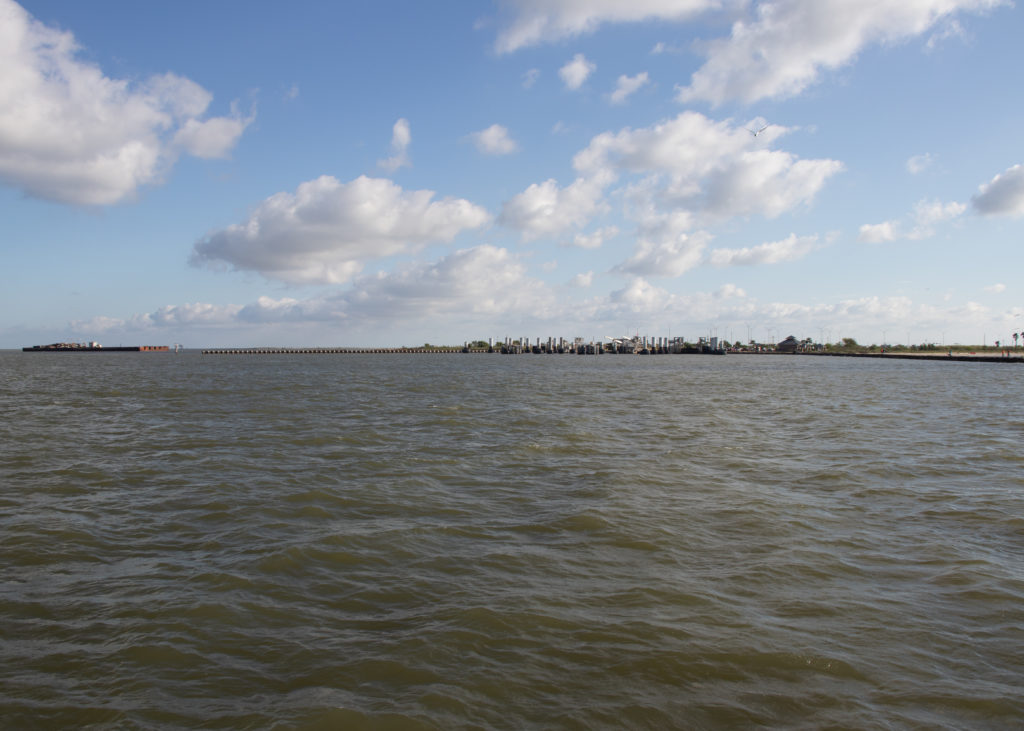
{"x": 486, "y": 541}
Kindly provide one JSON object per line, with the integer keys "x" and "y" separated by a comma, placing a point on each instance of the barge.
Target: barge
{"x": 94, "y": 347}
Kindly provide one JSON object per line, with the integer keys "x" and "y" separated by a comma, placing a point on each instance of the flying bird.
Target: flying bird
{"x": 757, "y": 132}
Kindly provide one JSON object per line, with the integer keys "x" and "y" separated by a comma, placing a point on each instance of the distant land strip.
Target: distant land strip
{"x": 993, "y": 358}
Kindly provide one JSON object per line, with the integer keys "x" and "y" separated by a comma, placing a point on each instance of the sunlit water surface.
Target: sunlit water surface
{"x": 487, "y": 541}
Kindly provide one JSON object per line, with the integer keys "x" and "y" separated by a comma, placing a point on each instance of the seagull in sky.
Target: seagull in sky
{"x": 757, "y": 132}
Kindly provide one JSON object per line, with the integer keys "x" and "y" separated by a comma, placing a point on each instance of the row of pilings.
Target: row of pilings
{"x": 325, "y": 351}
{"x": 543, "y": 349}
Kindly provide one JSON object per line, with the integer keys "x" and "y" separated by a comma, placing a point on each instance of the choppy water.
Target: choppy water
{"x": 474, "y": 541}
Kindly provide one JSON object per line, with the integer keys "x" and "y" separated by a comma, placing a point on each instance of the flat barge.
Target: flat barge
{"x": 95, "y": 348}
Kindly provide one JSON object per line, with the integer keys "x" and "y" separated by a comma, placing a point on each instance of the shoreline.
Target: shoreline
{"x": 962, "y": 357}
{"x": 954, "y": 357}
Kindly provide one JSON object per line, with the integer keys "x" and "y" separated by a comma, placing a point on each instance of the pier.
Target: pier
{"x": 638, "y": 345}
{"x": 327, "y": 351}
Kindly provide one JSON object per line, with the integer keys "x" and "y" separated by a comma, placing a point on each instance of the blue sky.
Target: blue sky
{"x": 395, "y": 173}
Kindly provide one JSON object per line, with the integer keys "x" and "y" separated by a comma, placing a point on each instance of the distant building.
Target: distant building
{"x": 789, "y": 345}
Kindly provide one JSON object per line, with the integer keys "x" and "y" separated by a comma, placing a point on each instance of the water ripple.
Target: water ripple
{"x": 550, "y": 542}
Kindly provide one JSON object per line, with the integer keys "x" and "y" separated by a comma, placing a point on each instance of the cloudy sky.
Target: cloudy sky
{"x": 394, "y": 173}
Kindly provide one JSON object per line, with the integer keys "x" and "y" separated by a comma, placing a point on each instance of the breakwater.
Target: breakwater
{"x": 592, "y": 350}
{"x": 327, "y": 351}
{"x": 636, "y": 345}
{"x": 436, "y": 351}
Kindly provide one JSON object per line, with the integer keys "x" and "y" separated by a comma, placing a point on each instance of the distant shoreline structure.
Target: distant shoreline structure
{"x": 94, "y": 347}
{"x": 256, "y": 351}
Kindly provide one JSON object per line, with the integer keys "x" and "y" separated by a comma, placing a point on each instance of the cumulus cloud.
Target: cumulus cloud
{"x": 661, "y": 47}
{"x": 582, "y": 280}
{"x": 996, "y": 288}
{"x": 788, "y": 44}
{"x": 707, "y": 168}
{"x": 626, "y": 86}
{"x": 480, "y": 281}
{"x": 928, "y": 214}
{"x": 544, "y": 208}
{"x": 1003, "y": 195}
{"x": 595, "y": 239}
{"x": 664, "y": 247}
{"x": 543, "y": 21}
{"x": 212, "y": 138}
{"x": 494, "y": 141}
{"x": 919, "y": 163}
{"x": 920, "y": 224}
{"x": 401, "y": 137}
{"x": 878, "y": 233}
{"x": 326, "y": 230}
{"x": 194, "y": 314}
{"x": 665, "y": 257}
{"x": 70, "y": 134}
{"x": 685, "y": 173}
{"x": 791, "y": 248}
{"x": 576, "y": 71}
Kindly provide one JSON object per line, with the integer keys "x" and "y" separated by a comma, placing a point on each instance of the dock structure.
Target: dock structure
{"x": 326, "y": 351}
{"x": 637, "y": 345}
{"x": 620, "y": 346}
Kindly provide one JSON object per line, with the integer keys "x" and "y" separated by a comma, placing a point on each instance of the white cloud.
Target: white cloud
{"x": 640, "y": 296}
{"x": 494, "y": 141}
{"x": 326, "y": 230}
{"x": 480, "y": 281}
{"x": 922, "y": 222}
{"x": 952, "y": 29}
{"x": 919, "y": 163}
{"x": 878, "y": 233}
{"x": 212, "y": 138}
{"x": 401, "y": 138}
{"x": 530, "y": 78}
{"x": 927, "y": 214}
{"x": 787, "y": 45}
{"x": 594, "y": 240}
{"x": 576, "y": 71}
{"x": 544, "y": 208}
{"x": 664, "y": 248}
{"x": 996, "y": 288}
{"x": 582, "y": 280}
{"x": 789, "y": 249}
{"x": 661, "y": 47}
{"x": 72, "y": 135}
{"x": 1003, "y": 195}
{"x": 710, "y": 169}
{"x": 766, "y": 182}
{"x": 542, "y": 21}
{"x": 196, "y": 314}
{"x": 685, "y": 172}
{"x": 627, "y": 85}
